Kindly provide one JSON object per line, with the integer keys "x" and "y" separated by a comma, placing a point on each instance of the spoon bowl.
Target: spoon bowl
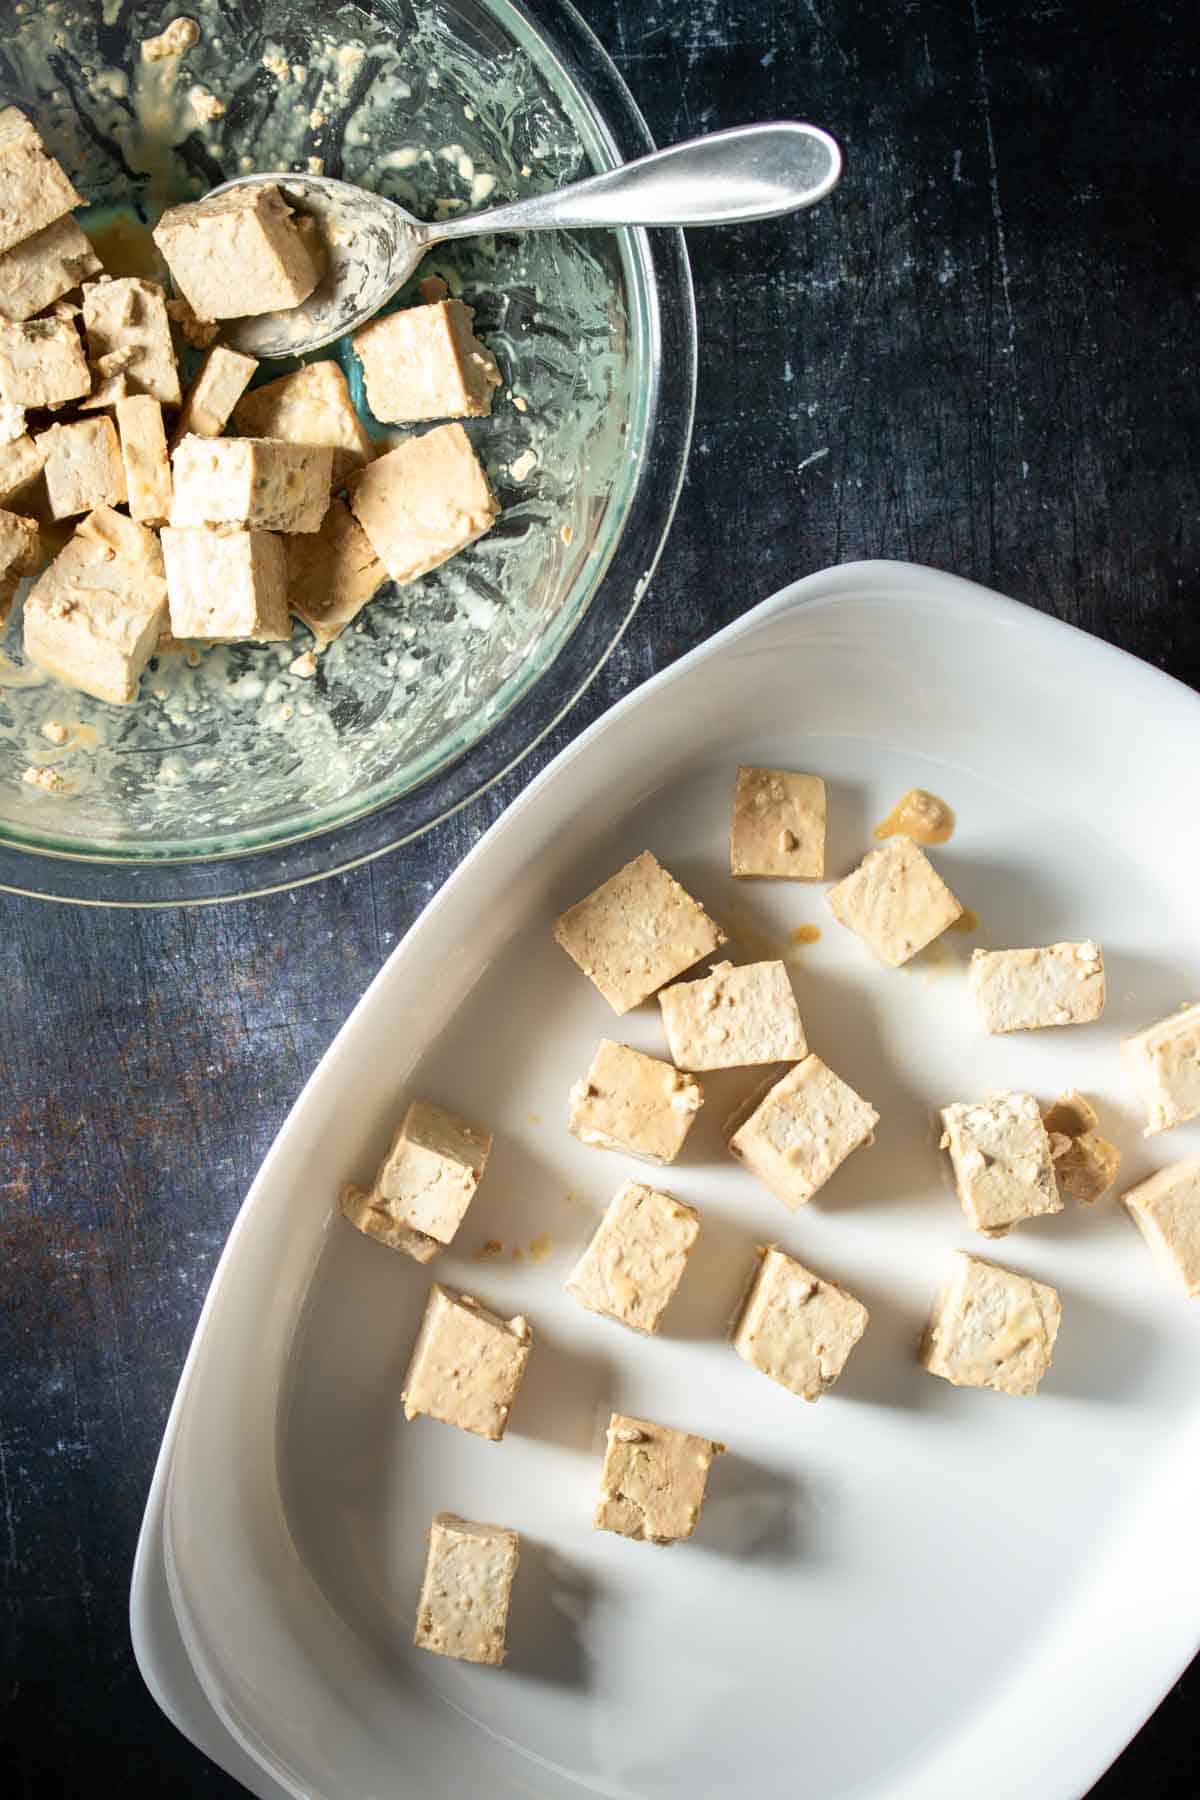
{"x": 373, "y": 245}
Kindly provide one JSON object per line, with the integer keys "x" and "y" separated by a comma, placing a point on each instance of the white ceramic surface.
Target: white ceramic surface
{"x": 906, "y": 1591}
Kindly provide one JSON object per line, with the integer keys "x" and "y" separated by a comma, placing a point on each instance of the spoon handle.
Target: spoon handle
{"x": 750, "y": 172}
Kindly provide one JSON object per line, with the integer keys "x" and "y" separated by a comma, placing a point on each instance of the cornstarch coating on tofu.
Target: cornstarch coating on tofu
{"x": 423, "y": 502}
{"x": 1029, "y": 990}
{"x": 21, "y": 462}
{"x": 34, "y": 189}
{"x": 796, "y": 1327}
{"x": 42, "y": 363}
{"x": 44, "y": 267}
{"x": 991, "y": 1328}
{"x": 733, "y": 1018}
{"x": 895, "y": 901}
{"x": 312, "y": 405}
{"x": 144, "y": 454}
{"x": 20, "y": 555}
{"x": 798, "y": 1131}
{"x": 425, "y": 362}
{"x": 1163, "y": 1063}
{"x": 1166, "y": 1210}
{"x": 129, "y": 340}
{"x": 255, "y": 482}
{"x": 1085, "y": 1163}
{"x": 83, "y": 467}
{"x": 635, "y": 932}
{"x": 93, "y": 619}
{"x": 332, "y": 573}
{"x": 463, "y": 1608}
{"x": 1003, "y": 1167}
{"x": 226, "y": 586}
{"x": 223, "y": 378}
{"x": 466, "y": 1365}
{"x": 653, "y": 1480}
{"x": 360, "y": 1210}
{"x": 636, "y": 1260}
{"x": 239, "y": 254}
{"x": 430, "y": 1174}
{"x": 778, "y": 828}
{"x": 633, "y": 1102}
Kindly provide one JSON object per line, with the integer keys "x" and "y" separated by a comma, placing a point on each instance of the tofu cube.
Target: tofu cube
{"x": 223, "y": 378}
{"x": 991, "y": 1328}
{"x": 255, "y": 482}
{"x": 634, "y": 1263}
{"x": 1028, "y": 990}
{"x": 800, "y": 1130}
{"x": 778, "y": 828}
{"x": 895, "y": 901}
{"x": 129, "y": 339}
{"x": 360, "y": 1210}
{"x": 425, "y": 362}
{"x": 430, "y": 1174}
{"x": 632, "y": 1102}
{"x": 1164, "y": 1064}
{"x": 332, "y": 573}
{"x": 1003, "y": 1168}
{"x": 1085, "y": 1163}
{"x": 34, "y": 189}
{"x": 43, "y": 268}
{"x": 466, "y": 1365}
{"x": 144, "y": 454}
{"x": 20, "y": 555}
{"x": 1166, "y": 1210}
{"x": 733, "y": 1018}
{"x": 653, "y": 1480}
{"x": 463, "y": 1609}
{"x": 423, "y": 502}
{"x": 21, "y": 463}
{"x": 226, "y": 587}
{"x": 635, "y": 932}
{"x": 94, "y": 617}
{"x": 796, "y": 1327}
{"x": 42, "y": 363}
{"x": 238, "y": 254}
{"x": 83, "y": 467}
{"x": 312, "y": 405}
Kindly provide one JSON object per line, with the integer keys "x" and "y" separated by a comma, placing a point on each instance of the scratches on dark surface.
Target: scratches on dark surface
{"x": 981, "y": 354}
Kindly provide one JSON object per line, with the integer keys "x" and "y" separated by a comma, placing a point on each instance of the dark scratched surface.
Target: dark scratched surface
{"x": 981, "y": 354}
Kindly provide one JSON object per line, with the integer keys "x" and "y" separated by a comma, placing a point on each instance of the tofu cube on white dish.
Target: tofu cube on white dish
{"x": 798, "y": 1131}
{"x": 1030, "y": 990}
{"x": 635, "y": 932}
{"x": 1003, "y": 1167}
{"x": 653, "y": 1480}
{"x": 796, "y": 1327}
{"x": 1166, "y": 1210}
{"x": 778, "y": 826}
{"x": 895, "y": 901}
{"x": 991, "y": 1328}
{"x": 637, "y": 1257}
{"x": 1163, "y": 1062}
{"x": 432, "y": 1170}
{"x": 469, "y": 1572}
{"x": 733, "y": 1018}
{"x": 632, "y": 1102}
{"x": 466, "y": 1365}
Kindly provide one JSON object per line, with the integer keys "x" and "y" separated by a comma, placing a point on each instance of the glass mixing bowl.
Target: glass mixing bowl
{"x": 231, "y": 774}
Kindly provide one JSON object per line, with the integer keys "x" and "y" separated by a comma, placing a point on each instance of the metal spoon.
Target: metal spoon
{"x": 373, "y": 245}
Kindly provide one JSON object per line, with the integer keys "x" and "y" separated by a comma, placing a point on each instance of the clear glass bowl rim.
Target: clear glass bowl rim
{"x": 621, "y": 133}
